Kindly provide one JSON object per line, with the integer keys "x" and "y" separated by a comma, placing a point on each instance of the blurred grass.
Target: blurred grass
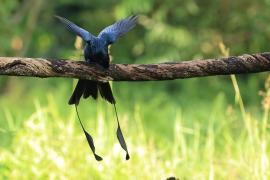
{"x": 189, "y": 140}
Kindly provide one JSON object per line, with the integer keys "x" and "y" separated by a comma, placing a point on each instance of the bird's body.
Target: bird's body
{"x": 96, "y": 51}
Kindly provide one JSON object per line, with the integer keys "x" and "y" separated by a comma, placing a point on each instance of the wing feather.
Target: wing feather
{"x": 85, "y": 35}
{"x": 118, "y": 29}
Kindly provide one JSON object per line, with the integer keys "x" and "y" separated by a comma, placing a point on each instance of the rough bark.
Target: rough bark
{"x": 40, "y": 67}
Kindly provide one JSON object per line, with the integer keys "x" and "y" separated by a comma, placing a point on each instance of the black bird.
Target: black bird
{"x": 96, "y": 51}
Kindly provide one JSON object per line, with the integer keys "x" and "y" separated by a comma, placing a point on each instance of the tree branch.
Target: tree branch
{"x": 40, "y": 67}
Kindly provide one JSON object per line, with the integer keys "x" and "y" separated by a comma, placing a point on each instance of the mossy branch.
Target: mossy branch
{"x": 44, "y": 68}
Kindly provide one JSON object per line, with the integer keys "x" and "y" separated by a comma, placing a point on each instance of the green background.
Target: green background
{"x": 200, "y": 128}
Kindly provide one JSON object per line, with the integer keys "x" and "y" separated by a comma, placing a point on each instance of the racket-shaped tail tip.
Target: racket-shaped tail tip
{"x": 127, "y": 157}
{"x": 98, "y": 158}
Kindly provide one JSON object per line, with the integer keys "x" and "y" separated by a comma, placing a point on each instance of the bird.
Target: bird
{"x": 96, "y": 50}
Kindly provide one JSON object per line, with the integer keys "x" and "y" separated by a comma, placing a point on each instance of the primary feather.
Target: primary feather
{"x": 111, "y": 33}
{"x": 85, "y": 35}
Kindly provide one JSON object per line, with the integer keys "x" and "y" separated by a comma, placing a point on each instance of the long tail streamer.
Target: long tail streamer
{"x": 120, "y": 136}
{"x": 88, "y": 137}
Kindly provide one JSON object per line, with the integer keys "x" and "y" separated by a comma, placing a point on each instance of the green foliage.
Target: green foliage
{"x": 191, "y": 129}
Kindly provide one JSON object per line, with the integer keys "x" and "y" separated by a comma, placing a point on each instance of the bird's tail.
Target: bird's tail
{"x": 88, "y": 88}
{"x": 83, "y": 88}
{"x": 106, "y": 92}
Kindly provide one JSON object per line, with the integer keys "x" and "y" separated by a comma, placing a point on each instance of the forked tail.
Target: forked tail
{"x": 88, "y": 88}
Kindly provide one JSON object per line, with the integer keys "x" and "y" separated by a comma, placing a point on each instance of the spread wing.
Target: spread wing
{"x": 85, "y": 35}
{"x": 116, "y": 30}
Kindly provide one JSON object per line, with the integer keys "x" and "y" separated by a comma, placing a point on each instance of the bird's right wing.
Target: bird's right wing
{"x": 118, "y": 29}
{"x": 85, "y": 35}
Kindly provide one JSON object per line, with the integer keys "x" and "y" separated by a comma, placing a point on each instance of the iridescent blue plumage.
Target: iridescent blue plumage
{"x": 111, "y": 33}
{"x": 96, "y": 50}
{"x": 85, "y": 35}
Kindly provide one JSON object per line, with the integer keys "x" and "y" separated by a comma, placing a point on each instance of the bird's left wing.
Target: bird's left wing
{"x": 85, "y": 35}
{"x": 111, "y": 33}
